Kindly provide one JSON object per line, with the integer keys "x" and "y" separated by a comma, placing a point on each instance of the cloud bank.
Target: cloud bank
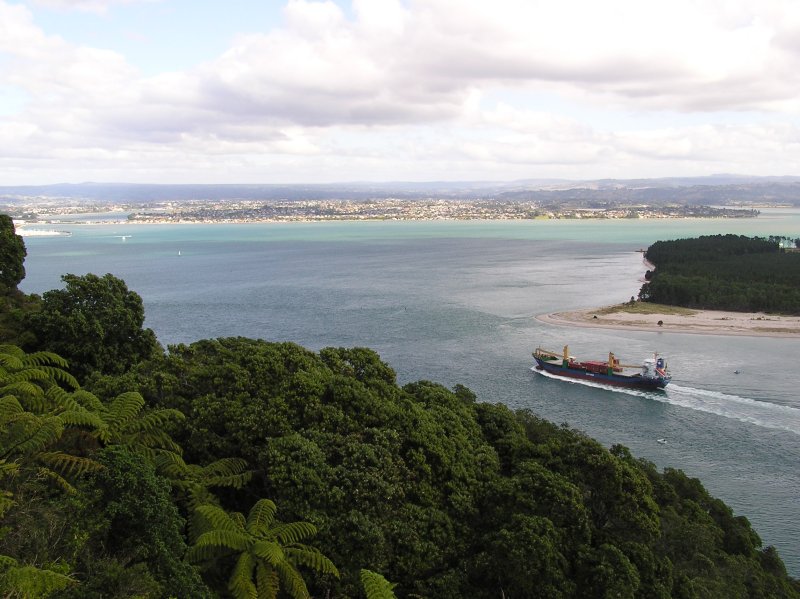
{"x": 440, "y": 89}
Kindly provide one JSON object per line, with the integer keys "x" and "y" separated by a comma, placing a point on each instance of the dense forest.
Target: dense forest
{"x": 237, "y": 467}
{"x": 724, "y": 272}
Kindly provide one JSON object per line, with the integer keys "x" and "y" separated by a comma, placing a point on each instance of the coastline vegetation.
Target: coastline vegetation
{"x": 237, "y": 467}
{"x": 634, "y": 307}
{"x": 724, "y": 272}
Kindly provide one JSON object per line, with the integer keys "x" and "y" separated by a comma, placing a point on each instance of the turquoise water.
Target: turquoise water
{"x": 455, "y": 302}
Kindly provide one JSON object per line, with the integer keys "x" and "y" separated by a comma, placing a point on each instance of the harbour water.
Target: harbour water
{"x": 455, "y": 302}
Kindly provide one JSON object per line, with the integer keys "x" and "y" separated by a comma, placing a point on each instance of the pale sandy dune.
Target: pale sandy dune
{"x": 708, "y": 322}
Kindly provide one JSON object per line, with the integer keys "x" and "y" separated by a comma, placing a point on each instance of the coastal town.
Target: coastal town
{"x": 240, "y": 211}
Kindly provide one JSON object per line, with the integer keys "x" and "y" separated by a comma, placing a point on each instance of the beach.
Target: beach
{"x": 703, "y": 322}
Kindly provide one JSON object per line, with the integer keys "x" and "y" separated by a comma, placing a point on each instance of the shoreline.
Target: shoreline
{"x": 695, "y": 322}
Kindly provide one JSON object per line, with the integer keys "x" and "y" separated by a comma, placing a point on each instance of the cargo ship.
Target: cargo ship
{"x": 652, "y": 373}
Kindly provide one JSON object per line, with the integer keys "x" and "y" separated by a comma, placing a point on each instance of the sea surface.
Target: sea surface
{"x": 456, "y": 301}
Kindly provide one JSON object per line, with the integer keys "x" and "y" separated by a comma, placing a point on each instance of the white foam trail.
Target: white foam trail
{"x": 744, "y": 409}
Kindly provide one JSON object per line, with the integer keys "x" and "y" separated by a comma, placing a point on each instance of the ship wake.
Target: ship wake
{"x": 744, "y": 409}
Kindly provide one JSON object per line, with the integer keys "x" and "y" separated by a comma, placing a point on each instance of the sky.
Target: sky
{"x": 307, "y": 91}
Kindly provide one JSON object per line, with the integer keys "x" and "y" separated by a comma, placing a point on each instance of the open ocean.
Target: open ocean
{"x": 455, "y": 302}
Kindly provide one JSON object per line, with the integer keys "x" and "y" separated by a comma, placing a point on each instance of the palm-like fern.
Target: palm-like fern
{"x": 193, "y": 481}
{"x": 269, "y": 552}
{"x": 35, "y": 411}
{"x": 376, "y": 586}
{"x": 124, "y": 421}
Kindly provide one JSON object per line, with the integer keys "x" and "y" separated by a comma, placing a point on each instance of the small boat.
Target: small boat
{"x": 662, "y": 441}
{"x": 652, "y": 373}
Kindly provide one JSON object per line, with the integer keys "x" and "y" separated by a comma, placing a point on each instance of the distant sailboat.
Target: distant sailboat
{"x": 179, "y": 252}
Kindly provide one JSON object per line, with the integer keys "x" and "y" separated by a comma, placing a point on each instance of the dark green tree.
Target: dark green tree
{"x": 96, "y": 323}
{"x": 12, "y": 256}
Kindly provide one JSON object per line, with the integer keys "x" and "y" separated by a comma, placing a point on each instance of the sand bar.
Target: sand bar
{"x": 702, "y": 322}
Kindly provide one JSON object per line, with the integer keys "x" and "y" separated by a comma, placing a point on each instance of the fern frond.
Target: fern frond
{"x": 22, "y": 389}
{"x": 267, "y": 581}
{"x": 152, "y": 440}
{"x": 215, "y": 543}
{"x": 69, "y": 465}
{"x": 219, "y": 519}
{"x": 234, "y": 481}
{"x": 292, "y": 532}
{"x": 89, "y": 401}
{"x": 43, "y": 358}
{"x": 46, "y": 431}
{"x": 28, "y": 581}
{"x": 8, "y": 468}
{"x": 61, "y": 376}
{"x": 9, "y": 407}
{"x": 59, "y": 398}
{"x": 376, "y": 586}
{"x": 27, "y": 374}
{"x": 261, "y": 515}
{"x": 153, "y": 420}
{"x": 7, "y": 562}
{"x": 311, "y": 558}
{"x": 225, "y": 467}
{"x": 241, "y": 581}
{"x": 123, "y": 409}
{"x": 57, "y": 480}
{"x": 171, "y": 465}
{"x": 238, "y": 519}
{"x": 81, "y": 417}
{"x": 11, "y": 357}
{"x": 270, "y": 552}
{"x": 292, "y": 582}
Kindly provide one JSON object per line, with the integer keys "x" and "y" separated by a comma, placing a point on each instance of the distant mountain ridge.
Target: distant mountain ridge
{"x": 712, "y": 189}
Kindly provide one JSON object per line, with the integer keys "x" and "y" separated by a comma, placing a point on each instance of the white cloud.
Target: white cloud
{"x": 410, "y": 90}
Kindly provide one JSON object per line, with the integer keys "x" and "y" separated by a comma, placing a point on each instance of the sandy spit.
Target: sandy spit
{"x": 701, "y": 322}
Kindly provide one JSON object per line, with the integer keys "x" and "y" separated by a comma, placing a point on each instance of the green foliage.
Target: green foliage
{"x": 376, "y": 586}
{"x": 447, "y": 496}
{"x": 268, "y": 553}
{"x": 724, "y": 272}
{"x": 29, "y": 581}
{"x": 95, "y": 323}
{"x": 12, "y": 256}
{"x": 135, "y": 523}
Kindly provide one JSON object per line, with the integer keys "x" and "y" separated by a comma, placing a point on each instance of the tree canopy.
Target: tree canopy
{"x": 12, "y": 256}
{"x": 95, "y": 323}
{"x": 724, "y": 272}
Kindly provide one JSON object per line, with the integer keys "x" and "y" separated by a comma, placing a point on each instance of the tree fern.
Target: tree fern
{"x": 376, "y": 586}
{"x": 31, "y": 437}
{"x": 70, "y": 465}
{"x": 272, "y": 553}
{"x": 311, "y": 557}
{"x": 292, "y": 532}
{"x": 267, "y": 581}
{"x": 241, "y": 583}
{"x": 218, "y": 542}
{"x": 261, "y": 515}
{"x": 218, "y": 519}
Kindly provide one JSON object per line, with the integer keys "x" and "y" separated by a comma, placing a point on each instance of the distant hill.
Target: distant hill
{"x": 714, "y": 189}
